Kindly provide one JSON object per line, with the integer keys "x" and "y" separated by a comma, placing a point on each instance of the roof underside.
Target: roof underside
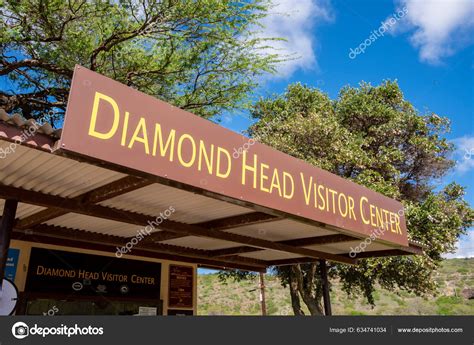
{"x": 65, "y": 201}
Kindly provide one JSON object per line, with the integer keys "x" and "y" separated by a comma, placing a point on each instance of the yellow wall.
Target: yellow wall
{"x": 23, "y": 260}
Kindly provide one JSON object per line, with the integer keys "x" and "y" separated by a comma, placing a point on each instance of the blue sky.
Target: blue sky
{"x": 427, "y": 47}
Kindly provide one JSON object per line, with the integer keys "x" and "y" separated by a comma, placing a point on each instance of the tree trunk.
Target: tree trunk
{"x": 307, "y": 285}
{"x": 295, "y": 298}
{"x": 314, "y": 306}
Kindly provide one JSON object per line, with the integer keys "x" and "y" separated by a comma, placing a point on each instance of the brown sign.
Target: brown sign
{"x": 111, "y": 122}
{"x": 55, "y": 271}
{"x": 181, "y": 287}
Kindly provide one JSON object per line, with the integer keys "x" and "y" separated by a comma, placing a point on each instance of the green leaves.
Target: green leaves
{"x": 199, "y": 55}
{"x": 376, "y": 138}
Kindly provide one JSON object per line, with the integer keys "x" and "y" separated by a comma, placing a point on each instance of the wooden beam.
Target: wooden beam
{"x": 226, "y": 223}
{"x": 219, "y": 224}
{"x": 412, "y": 250}
{"x": 293, "y": 261}
{"x": 161, "y": 236}
{"x": 384, "y": 253}
{"x": 209, "y": 267}
{"x": 127, "y": 217}
{"x": 138, "y": 252}
{"x": 115, "y": 242}
{"x": 108, "y": 191}
{"x": 72, "y": 206}
{"x": 321, "y": 240}
{"x": 301, "y": 242}
{"x": 6, "y": 227}
{"x": 192, "y": 230}
{"x": 233, "y": 251}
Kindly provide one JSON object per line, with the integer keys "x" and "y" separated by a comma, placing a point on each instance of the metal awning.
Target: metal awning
{"x": 66, "y": 201}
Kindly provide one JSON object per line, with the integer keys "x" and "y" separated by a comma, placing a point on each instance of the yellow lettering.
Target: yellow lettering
{"x": 229, "y": 163}
{"x": 306, "y": 190}
{"x": 351, "y": 208}
{"x": 180, "y": 150}
{"x": 385, "y": 212}
{"x": 285, "y": 194}
{"x": 263, "y": 177}
{"x": 144, "y": 139}
{"x": 372, "y": 216}
{"x": 95, "y": 109}
{"x": 343, "y": 197}
{"x": 392, "y": 222}
{"x": 397, "y": 222}
{"x": 362, "y": 200}
{"x": 246, "y": 167}
{"x": 323, "y": 202}
{"x": 333, "y": 193}
{"x": 169, "y": 142}
{"x": 125, "y": 129}
{"x": 202, "y": 152}
{"x": 39, "y": 270}
{"x": 379, "y": 215}
{"x": 275, "y": 182}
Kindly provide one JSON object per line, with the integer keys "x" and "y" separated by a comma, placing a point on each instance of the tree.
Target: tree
{"x": 202, "y": 56}
{"x": 374, "y": 137}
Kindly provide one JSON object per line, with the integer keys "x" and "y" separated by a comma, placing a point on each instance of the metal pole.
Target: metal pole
{"x": 6, "y": 227}
{"x": 262, "y": 294}
{"x": 324, "y": 279}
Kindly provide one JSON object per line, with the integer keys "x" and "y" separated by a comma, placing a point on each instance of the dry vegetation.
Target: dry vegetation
{"x": 242, "y": 298}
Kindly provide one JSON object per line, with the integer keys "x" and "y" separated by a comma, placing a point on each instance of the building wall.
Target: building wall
{"x": 25, "y": 249}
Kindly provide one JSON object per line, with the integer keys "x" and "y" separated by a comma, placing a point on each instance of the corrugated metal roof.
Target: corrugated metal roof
{"x": 271, "y": 255}
{"x": 24, "y": 210}
{"x": 190, "y": 208}
{"x": 341, "y": 248}
{"x": 285, "y": 229}
{"x": 51, "y": 174}
{"x": 201, "y": 243}
{"x": 94, "y": 224}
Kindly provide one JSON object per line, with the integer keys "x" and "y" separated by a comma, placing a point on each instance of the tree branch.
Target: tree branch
{"x": 33, "y": 63}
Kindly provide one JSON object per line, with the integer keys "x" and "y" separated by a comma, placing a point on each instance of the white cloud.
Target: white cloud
{"x": 465, "y": 247}
{"x": 438, "y": 27}
{"x": 294, "y": 20}
{"x": 464, "y": 154}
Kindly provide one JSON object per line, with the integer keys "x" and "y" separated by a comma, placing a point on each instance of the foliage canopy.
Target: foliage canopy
{"x": 374, "y": 137}
{"x": 203, "y": 56}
